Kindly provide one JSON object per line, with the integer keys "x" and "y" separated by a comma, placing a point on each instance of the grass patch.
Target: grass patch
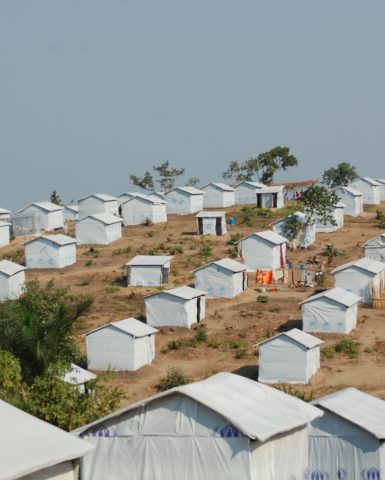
{"x": 174, "y": 378}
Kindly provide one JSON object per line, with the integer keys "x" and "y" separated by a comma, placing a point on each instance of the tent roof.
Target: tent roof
{"x": 221, "y": 186}
{"x": 3, "y": 211}
{"x": 357, "y": 407}
{"x": 256, "y": 410}
{"x": 305, "y": 339}
{"x": 10, "y": 268}
{"x": 106, "y": 218}
{"x": 59, "y": 239}
{"x": 377, "y": 241}
{"x": 368, "y": 264}
{"x": 46, "y": 206}
{"x": 379, "y": 180}
{"x": 101, "y": 196}
{"x": 30, "y": 445}
{"x": 77, "y": 375}
{"x": 145, "y": 198}
{"x": 4, "y": 224}
{"x": 189, "y": 190}
{"x": 349, "y": 190}
{"x": 340, "y": 205}
{"x": 227, "y": 264}
{"x": 268, "y": 235}
{"x": 299, "y": 215}
{"x": 185, "y": 292}
{"x": 369, "y": 180}
{"x": 132, "y": 326}
{"x": 252, "y": 184}
{"x": 73, "y": 208}
{"x": 150, "y": 260}
{"x": 271, "y": 189}
{"x": 210, "y": 214}
{"x": 337, "y": 294}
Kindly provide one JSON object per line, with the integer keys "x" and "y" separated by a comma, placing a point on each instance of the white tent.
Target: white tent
{"x": 5, "y": 235}
{"x": 352, "y": 199}
{"x": 362, "y": 277}
{"x": 79, "y": 377}
{"x": 369, "y": 188}
{"x": 46, "y": 215}
{"x": 211, "y": 223}
{"x": 137, "y": 210}
{"x": 270, "y": 197}
{"x": 179, "y": 307}
{"x": 184, "y": 200}
{"x": 35, "y": 450}
{"x": 50, "y": 251}
{"x": 98, "y": 203}
{"x": 12, "y": 280}
{"x": 289, "y": 357}
{"x": 375, "y": 248}
{"x": 263, "y": 250}
{"x": 246, "y": 192}
{"x": 5, "y": 215}
{"x": 71, "y": 213}
{"x": 222, "y": 278}
{"x": 218, "y": 195}
{"x": 381, "y": 181}
{"x": 338, "y": 216}
{"x": 307, "y": 237}
{"x": 148, "y": 270}
{"x": 333, "y": 310}
{"x": 124, "y": 345}
{"x": 126, "y": 196}
{"x": 224, "y": 427}
{"x": 347, "y": 442}
{"x": 98, "y": 229}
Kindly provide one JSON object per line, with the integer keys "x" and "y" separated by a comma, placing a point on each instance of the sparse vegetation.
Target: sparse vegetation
{"x": 174, "y": 378}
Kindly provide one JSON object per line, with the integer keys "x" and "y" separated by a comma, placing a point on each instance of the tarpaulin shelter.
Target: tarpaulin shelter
{"x": 270, "y": 196}
{"x": 333, "y": 310}
{"x": 289, "y": 357}
{"x": 225, "y": 427}
{"x": 308, "y": 234}
{"x": 178, "y": 307}
{"x": 5, "y": 235}
{"x": 98, "y": 203}
{"x": 50, "y": 251}
{"x": 71, "y": 213}
{"x": 46, "y": 215}
{"x": 246, "y": 192}
{"x": 79, "y": 377}
{"x": 224, "y": 278}
{"x": 263, "y": 250}
{"x": 148, "y": 270}
{"x": 184, "y": 200}
{"x": 369, "y": 188}
{"x": 5, "y": 214}
{"x": 375, "y": 248}
{"x": 352, "y": 199}
{"x": 211, "y": 222}
{"x": 12, "y": 280}
{"x": 381, "y": 181}
{"x": 98, "y": 229}
{"x": 218, "y": 195}
{"x": 338, "y": 217}
{"x": 141, "y": 208}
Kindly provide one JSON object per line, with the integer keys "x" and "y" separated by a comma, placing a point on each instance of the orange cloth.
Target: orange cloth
{"x": 264, "y": 277}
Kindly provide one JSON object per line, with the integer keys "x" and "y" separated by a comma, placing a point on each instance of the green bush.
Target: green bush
{"x": 263, "y": 298}
{"x": 180, "y": 343}
{"x": 201, "y": 335}
{"x": 241, "y": 353}
{"x": 294, "y": 392}
{"x": 174, "y": 378}
{"x": 328, "y": 352}
{"x": 234, "y": 239}
{"x": 348, "y": 347}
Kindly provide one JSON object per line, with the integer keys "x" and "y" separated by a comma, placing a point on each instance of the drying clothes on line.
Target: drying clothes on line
{"x": 264, "y": 277}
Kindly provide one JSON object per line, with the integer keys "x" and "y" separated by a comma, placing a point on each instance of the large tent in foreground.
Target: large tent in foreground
{"x": 225, "y": 427}
{"x": 348, "y": 441}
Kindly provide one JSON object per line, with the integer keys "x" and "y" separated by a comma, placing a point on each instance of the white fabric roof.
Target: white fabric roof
{"x": 256, "y": 410}
{"x": 221, "y": 186}
{"x": 350, "y": 190}
{"x": 4, "y": 224}
{"x": 149, "y": 260}
{"x": 357, "y": 407}
{"x": 268, "y": 235}
{"x": 337, "y": 294}
{"x": 29, "y": 444}
{"x": 226, "y": 263}
{"x": 77, "y": 375}
{"x": 210, "y": 214}
{"x": 132, "y": 326}
{"x": 106, "y": 218}
{"x": 377, "y": 241}
{"x": 368, "y": 180}
{"x": 305, "y": 339}
{"x": 271, "y": 189}
{"x": 47, "y": 206}
{"x": 190, "y": 190}
{"x": 102, "y": 196}
{"x": 10, "y": 268}
{"x": 379, "y": 180}
{"x": 368, "y": 264}
{"x": 3, "y": 210}
{"x": 185, "y": 292}
{"x": 59, "y": 239}
{"x": 253, "y": 184}
{"x": 146, "y": 198}
{"x": 73, "y": 208}
{"x": 299, "y": 215}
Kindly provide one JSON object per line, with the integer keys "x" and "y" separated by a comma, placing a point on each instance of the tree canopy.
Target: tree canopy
{"x": 167, "y": 176}
{"x": 55, "y": 198}
{"x": 341, "y": 175}
{"x": 318, "y": 202}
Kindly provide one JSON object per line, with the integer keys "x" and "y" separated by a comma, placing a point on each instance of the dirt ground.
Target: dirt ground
{"x": 233, "y": 326}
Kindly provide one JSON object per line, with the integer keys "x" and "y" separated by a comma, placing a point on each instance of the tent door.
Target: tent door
{"x": 275, "y": 200}
{"x": 218, "y": 226}
{"x": 199, "y": 309}
{"x": 259, "y": 200}
{"x": 129, "y": 276}
{"x": 200, "y": 226}
{"x": 165, "y": 274}
{"x": 244, "y": 283}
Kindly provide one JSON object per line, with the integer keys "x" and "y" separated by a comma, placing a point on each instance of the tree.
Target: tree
{"x": 342, "y": 175}
{"x": 168, "y": 175}
{"x": 234, "y": 172}
{"x": 55, "y": 198}
{"x": 147, "y": 181}
{"x": 278, "y": 158}
{"x": 10, "y": 378}
{"x": 192, "y": 182}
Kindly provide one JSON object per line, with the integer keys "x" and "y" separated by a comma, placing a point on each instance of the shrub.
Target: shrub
{"x": 151, "y": 233}
{"x": 121, "y": 251}
{"x": 174, "y": 378}
{"x": 294, "y": 392}
{"x": 328, "y": 352}
{"x": 348, "y": 347}
{"x": 234, "y": 239}
{"x": 180, "y": 343}
{"x": 88, "y": 263}
{"x": 206, "y": 251}
{"x": 241, "y": 353}
{"x": 263, "y": 298}
{"x": 263, "y": 212}
{"x": 200, "y": 334}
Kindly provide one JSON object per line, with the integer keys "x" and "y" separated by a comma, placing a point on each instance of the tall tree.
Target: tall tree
{"x": 147, "y": 181}
{"x": 192, "y": 182}
{"x": 278, "y": 158}
{"x": 341, "y": 175}
{"x": 168, "y": 175}
{"x": 234, "y": 172}
{"x": 55, "y": 198}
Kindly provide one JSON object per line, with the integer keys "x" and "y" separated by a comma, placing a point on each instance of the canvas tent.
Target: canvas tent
{"x": 352, "y": 199}
{"x": 71, "y": 213}
{"x": 79, "y": 377}
{"x": 35, "y": 450}
{"x": 289, "y": 357}
{"x": 375, "y": 248}
{"x": 381, "y": 181}
{"x": 270, "y": 197}
{"x": 98, "y": 203}
{"x": 211, "y": 223}
{"x": 365, "y": 277}
{"x": 347, "y": 442}
{"x": 307, "y": 236}
{"x": 246, "y": 192}
{"x": 333, "y": 310}
{"x": 12, "y": 280}
{"x": 124, "y": 345}
{"x": 148, "y": 270}
{"x": 218, "y": 195}
{"x": 338, "y": 217}
{"x": 46, "y": 215}
{"x": 98, "y": 229}
{"x": 5, "y": 236}
{"x": 224, "y": 427}
{"x": 178, "y": 307}
{"x": 50, "y": 251}
{"x": 184, "y": 200}
{"x": 224, "y": 278}
{"x": 5, "y": 214}
{"x": 263, "y": 250}
{"x": 369, "y": 188}
{"x": 140, "y": 209}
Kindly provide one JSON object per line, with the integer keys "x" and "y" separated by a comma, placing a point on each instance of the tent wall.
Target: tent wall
{"x": 70, "y": 215}
{"x": 375, "y": 252}
{"x": 145, "y": 275}
{"x": 62, "y": 471}
{"x": 354, "y": 205}
{"x": 42, "y": 253}
{"x": 259, "y": 254}
{"x": 341, "y": 449}
{"x": 282, "y": 360}
{"x": 144, "y": 351}
{"x": 267, "y": 199}
{"x": 214, "y": 197}
{"x": 338, "y": 215}
{"x": 11, "y": 287}
{"x": 313, "y": 362}
{"x": 209, "y": 226}
{"x": 92, "y": 231}
{"x": 218, "y": 282}
{"x": 306, "y": 239}
{"x": 160, "y": 213}
{"x": 358, "y": 281}
{"x": 94, "y": 205}
{"x": 370, "y": 193}
{"x": 4, "y": 236}
{"x": 168, "y": 310}
{"x": 182, "y": 203}
{"x": 326, "y": 315}
{"x": 382, "y": 192}
{"x": 245, "y": 194}
{"x": 135, "y": 212}
{"x": 45, "y": 220}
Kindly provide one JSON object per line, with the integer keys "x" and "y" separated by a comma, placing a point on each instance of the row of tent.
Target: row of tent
{"x": 225, "y": 426}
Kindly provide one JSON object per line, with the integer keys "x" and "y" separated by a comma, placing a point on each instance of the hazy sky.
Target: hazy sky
{"x": 93, "y": 90}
